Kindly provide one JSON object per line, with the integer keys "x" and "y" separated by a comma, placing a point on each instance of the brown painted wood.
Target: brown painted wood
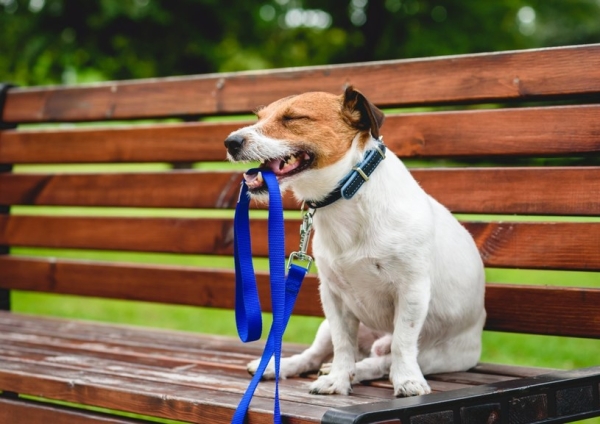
{"x": 30, "y": 412}
{"x": 557, "y": 245}
{"x": 558, "y": 311}
{"x": 168, "y": 372}
{"x": 502, "y": 244}
{"x": 164, "y": 400}
{"x": 165, "y": 284}
{"x": 188, "y": 189}
{"x": 563, "y": 311}
{"x": 174, "y": 235}
{"x": 534, "y": 74}
{"x": 141, "y": 143}
{"x": 567, "y": 130}
{"x": 528, "y": 191}
{"x": 534, "y": 191}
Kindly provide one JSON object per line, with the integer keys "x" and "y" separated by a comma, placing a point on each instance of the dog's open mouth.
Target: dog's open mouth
{"x": 281, "y": 167}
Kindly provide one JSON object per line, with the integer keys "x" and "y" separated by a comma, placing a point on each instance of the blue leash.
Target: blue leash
{"x": 283, "y": 295}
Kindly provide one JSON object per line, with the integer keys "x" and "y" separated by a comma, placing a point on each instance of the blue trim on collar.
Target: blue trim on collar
{"x": 354, "y": 180}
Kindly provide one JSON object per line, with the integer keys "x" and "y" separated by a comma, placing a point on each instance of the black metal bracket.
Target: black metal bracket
{"x": 4, "y": 87}
{"x": 559, "y": 397}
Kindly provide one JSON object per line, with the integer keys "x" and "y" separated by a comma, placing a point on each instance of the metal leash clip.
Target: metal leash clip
{"x": 305, "y": 230}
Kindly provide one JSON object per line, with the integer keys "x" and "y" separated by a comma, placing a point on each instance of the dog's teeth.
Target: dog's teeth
{"x": 306, "y": 156}
{"x": 292, "y": 160}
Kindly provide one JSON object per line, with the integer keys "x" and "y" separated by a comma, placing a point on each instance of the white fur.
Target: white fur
{"x": 402, "y": 282}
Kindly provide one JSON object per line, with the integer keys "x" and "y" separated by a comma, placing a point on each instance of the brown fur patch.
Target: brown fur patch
{"x": 315, "y": 122}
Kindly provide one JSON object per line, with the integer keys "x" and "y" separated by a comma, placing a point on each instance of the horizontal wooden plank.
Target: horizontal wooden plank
{"x": 558, "y": 310}
{"x": 186, "y": 142}
{"x": 30, "y": 412}
{"x": 565, "y": 130}
{"x": 528, "y": 191}
{"x": 550, "y": 131}
{"x": 534, "y": 74}
{"x": 186, "y": 285}
{"x": 165, "y": 400}
{"x": 570, "y": 246}
{"x": 551, "y": 245}
{"x": 532, "y": 191}
{"x": 564, "y": 311}
{"x": 179, "y": 189}
{"x": 173, "y": 235}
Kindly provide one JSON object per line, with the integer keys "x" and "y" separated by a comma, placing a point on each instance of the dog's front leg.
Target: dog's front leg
{"x": 344, "y": 335}
{"x": 411, "y": 310}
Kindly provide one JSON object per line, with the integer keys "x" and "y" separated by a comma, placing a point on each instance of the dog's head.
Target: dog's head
{"x": 310, "y": 141}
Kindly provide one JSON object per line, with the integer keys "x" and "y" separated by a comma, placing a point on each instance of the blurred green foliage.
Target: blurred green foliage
{"x": 69, "y": 41}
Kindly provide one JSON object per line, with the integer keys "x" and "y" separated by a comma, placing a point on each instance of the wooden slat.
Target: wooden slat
{"x": 529, "y": 191}
{"x": 157, "y": 143}
{"x": 522, "y": 245}
{"x": 571, "y": 246}
{"x": 567, "y": 130}
{"x": 186, "y": 285}
{"x": 556, "y": 72}
{"x": 552, "y": 245}
{"x": 558, "y": 311}
{"x": 534, "y": 191}
{"x": 173, "y": 235}
{"x": 164, "y": 400}
{"x": 550, "y": 131}
{"x": 189, "y": 189}
{"x": 563, "y": 311}
{"x": 30, "y": 412}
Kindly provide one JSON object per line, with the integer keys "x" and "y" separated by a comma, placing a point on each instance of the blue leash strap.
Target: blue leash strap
{"x": 248, "y": 318}
{"x": 283, "y": 295}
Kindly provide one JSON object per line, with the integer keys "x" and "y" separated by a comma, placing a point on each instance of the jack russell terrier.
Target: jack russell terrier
{"x": 401, "y": 281}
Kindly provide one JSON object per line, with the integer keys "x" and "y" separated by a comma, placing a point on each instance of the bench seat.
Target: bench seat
{"x": 166, "y": 373}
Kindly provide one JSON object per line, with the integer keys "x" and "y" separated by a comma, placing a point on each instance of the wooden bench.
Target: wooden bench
{"x": 482, "y": 118}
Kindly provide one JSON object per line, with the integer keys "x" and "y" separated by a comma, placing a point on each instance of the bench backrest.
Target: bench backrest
{"x": 480, "y": 117}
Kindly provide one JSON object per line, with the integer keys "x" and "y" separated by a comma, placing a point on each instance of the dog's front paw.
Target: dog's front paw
{"x": 408, "y": 388}
{"x": 331, "y": 384}
{"x": 269, "y": 373}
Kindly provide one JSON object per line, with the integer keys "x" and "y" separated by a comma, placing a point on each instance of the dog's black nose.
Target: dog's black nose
{"x": 234, "y": 144}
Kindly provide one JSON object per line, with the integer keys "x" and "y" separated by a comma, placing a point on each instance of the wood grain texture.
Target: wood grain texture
{"x": 549, "y": 131}
{"x": 528, "y": 191}
{"x": 563, "y": 311}
{"x": 567, "y": 130}
{"x": 140, "y": 143}
{"x": 30, "y": 412}
{"x": 532, "y": 191}
{"x": 168, "y": 374}
{"x": 557, "y": 72}
{"x": 569, "y": 246}
{"x": 164, "y": 284}
{"x": 558, "y": 311}
{"x": 551, "y": 245}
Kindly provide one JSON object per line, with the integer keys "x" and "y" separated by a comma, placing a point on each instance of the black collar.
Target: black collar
{"x": 360, "y": 173}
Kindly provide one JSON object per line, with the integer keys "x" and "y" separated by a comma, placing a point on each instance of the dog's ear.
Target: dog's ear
{"x": 361, "y": 113}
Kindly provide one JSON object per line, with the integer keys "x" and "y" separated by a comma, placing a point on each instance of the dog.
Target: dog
{"x": 401, "y": 281}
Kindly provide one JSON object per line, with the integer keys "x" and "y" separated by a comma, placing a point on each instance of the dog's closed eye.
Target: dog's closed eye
{"x": 291, "y": 117}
